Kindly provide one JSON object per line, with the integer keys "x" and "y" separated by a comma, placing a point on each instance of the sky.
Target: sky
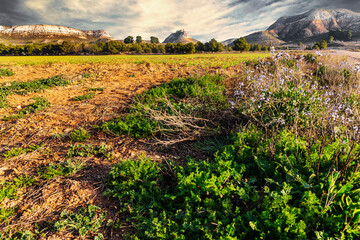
{"x": 203, "y": 19}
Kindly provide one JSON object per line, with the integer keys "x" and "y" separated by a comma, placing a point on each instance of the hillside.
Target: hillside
{"x": 262, "y": 38}
{"x": 180, "y": 36}
{"x": 315, "y": 24}
{"x": 48, "y": 33}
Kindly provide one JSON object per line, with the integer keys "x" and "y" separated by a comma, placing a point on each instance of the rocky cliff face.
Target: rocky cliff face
{"x": 180, "y": 36}
{"x": 51, "y": 31}
{"x": 314, "y": 23}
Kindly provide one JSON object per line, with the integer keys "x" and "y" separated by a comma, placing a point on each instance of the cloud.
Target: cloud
{"x": 204, "y": 19}
{"x": 138, "y": 17}
{"x": 13, "y": 13}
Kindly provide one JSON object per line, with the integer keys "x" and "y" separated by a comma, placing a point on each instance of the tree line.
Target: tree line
{"x": 128, "y": 46}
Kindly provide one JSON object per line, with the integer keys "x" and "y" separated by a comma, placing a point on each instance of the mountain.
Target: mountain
{"x": 315, "y": 25}
{"x": 262, "y": 38}
{"x": 47, "y": 33}
{"x": 180, "y": 36}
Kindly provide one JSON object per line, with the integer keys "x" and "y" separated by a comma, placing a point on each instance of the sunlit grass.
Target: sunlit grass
{"x": 205, "y": 60}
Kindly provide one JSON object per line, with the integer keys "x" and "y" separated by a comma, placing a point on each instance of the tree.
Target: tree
{"x": 129, "y": 39}
{"x": 300, "y": 44}
{"x": 214, "y": 46}
{"x": 241, "y": 45}
{"x": 67, "y": 48}
{"x": 331, "y": 39}
{"x": 320, "y": 45}
{"x": 154, "y": 40}
{"x": 170, "y": 48}
{"x": 138, "y": 39}
{"x": 190, "y": 48}
{"x": 199, "y": 46}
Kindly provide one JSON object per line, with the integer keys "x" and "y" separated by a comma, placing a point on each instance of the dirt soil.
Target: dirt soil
{"x": 42, "y": 203}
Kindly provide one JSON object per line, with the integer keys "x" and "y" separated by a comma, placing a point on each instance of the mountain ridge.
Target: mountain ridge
{"x": 43, "y": 32}
{"x": 311, "y": 26}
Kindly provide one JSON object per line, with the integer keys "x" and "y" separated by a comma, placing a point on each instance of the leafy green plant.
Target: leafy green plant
{"x": 245, "y": 192}
{"x": 85, "y": 96}
{"x": 87, "y": 75}
{"x": 4, "y": 72}
{"x": 70, "y": 167}
{"x": 310, "y": 58}
{"x": 39, "y": 104}
{"x": 173, "y": 109}
{"x": 83, "y": 150}
{"x": 80, "y": 150}
{"x": 9, "y": 190}
{"x": 19, "y": 151}
{"x": 135, "y": 126}
{"x": 6, "y": 213}
{"x": 18, "y": 235}
{"x": 79, "y": 135}
{"x": 86, "y": 222}
{"x": 23, "y": 88}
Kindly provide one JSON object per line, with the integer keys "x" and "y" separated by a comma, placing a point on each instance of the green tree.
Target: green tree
{"x": 154, "y": 40}
{"x": 241, "y": 45}
{"x": 199, "y": 46}
{"x": 129, "y": 39}
{"x": 138, "y": 39}
{"x": 67, "y": 48}
{"x": 214, "y": 46}
{"x": 190, "y": 48}
{"x": 331, "y": 39}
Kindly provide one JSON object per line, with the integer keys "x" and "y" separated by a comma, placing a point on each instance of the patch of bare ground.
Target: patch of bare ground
{"x": 41, "y": 204}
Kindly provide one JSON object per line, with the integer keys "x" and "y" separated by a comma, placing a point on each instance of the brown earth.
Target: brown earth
{"x": 43, "y": 202}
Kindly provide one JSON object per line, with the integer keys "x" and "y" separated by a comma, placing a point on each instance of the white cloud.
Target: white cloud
{"x": 205, "y": 19}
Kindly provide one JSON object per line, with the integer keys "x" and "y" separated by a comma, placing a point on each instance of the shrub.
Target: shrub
{"x": 310, "y": 58}
{"x": 246, "y": 192}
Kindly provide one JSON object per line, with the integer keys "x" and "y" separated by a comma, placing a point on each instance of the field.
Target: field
{"x": 202, "y": 146}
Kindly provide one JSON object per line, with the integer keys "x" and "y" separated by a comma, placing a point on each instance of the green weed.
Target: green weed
{"x": 19, "y": 151}
{"x": 87, "y": 75}
{"x": 83, "y": 150}
{"x": 85, "y": 96}
{"x": 70, "y": 167}
{"x": 172, "y": 109}
{"x": 9, "y": 190}
{"x": 86, "y": 222}
{"x": 27, "y": 87}
{"x": 4, "y": 72}
{"x": 79, "y": 135}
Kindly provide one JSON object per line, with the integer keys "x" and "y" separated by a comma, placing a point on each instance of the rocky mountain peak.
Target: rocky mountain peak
{"x": 180, "y": 36}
